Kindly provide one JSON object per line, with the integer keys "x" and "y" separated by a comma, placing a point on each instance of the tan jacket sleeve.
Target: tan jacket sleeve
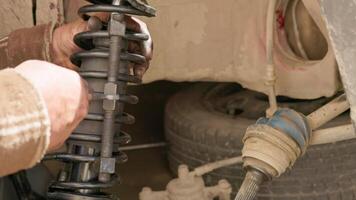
{"x": 26, "y": 44}
{"x": 24, "y": 123}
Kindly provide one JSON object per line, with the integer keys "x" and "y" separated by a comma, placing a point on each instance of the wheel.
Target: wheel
{"x": 207, "y": 122}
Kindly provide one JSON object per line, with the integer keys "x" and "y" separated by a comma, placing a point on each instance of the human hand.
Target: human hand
{"x": 65, "y": 95}
{"x": 63, "y": 45}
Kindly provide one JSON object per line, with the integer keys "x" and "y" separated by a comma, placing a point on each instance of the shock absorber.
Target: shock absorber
{"x": 92, "y": 150}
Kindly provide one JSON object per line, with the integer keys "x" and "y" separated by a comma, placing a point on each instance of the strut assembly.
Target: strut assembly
{"x": 93, "y": 148}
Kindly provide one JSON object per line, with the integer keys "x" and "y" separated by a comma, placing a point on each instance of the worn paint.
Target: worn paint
{"x": 206, "y": 40}
{"x": 341, "y": 22}
{"x": 232, "y": 48}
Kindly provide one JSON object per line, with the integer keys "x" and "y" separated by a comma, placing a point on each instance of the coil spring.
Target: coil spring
{"x": 90, "y": 159}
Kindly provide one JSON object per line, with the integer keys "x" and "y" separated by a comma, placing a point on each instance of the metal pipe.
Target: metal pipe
{"x": 199, "y": 171}
{"x": 142, "y": 146}
{"x": 270, "y": 73}
{"x": 328, "y": 112}
{"x": 334, "y": 134}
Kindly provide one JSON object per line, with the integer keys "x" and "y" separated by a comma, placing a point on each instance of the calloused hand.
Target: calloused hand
{"x": 65, "y": 94}
{"x": 63, "y": 46}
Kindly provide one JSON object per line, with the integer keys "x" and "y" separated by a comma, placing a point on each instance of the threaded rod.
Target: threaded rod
{"x": 250, "y": 185}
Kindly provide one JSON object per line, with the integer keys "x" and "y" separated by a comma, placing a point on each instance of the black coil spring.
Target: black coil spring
{"x": 84, "y": 160}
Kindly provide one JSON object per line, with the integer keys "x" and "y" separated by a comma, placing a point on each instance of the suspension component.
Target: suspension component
{"x": 271, "y": 147}
{"x": 23, "y": 187}
{"x": 189, "y": 186}
{"x": 93, "y": 148}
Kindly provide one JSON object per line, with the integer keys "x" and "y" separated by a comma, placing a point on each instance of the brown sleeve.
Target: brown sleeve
{"x": 24, "y": 123}
{"x": 25, "y": 44}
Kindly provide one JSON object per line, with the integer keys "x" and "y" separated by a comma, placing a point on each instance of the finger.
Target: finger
{"x": 103, "y": 16}
{"x": 147, "y": 49}
{"x": 81, "y": 112}
{"x": 133, "y": 24}
{"x": 135, "y": 47}
{"x": 84, "y": 99}
{"x": 78, "y": 26}
{"x": 136, "y": 25}
{"x": 54, "y": 147}
{"x": 67, "y": 63}
{"x": 139, "y": 70}
{"x": 83, "y": 107}
{"x": 95, "y": 24}
{"x": 147, "y": 46}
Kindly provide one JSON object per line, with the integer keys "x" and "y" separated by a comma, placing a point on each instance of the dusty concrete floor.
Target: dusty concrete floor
{"x": 146, "y": 167}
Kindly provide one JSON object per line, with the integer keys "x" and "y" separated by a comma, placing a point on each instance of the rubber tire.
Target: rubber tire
{"x": 197, "y": 135}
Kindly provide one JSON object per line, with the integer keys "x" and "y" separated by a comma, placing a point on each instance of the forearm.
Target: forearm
{"x": 24, "y": 123}
{"x": 26, "y": 44}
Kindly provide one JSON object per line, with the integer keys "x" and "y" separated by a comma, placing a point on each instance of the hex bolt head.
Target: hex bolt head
{"x": 110, "y": 89}
{"x": 107, "y": 165}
